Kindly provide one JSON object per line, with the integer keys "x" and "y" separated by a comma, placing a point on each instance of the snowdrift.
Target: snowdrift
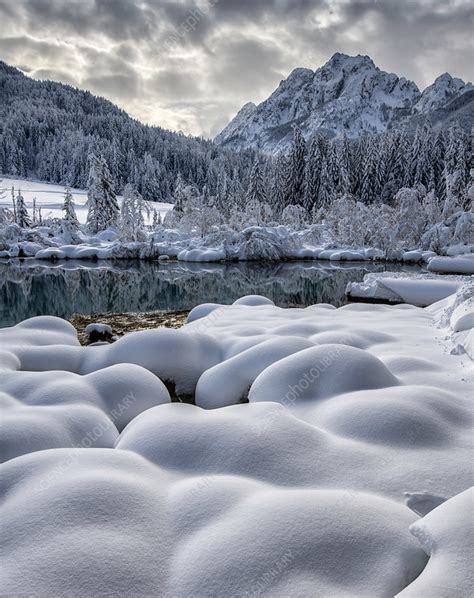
{"x": 398, "y": 287}
{"x": 318, "y": 438}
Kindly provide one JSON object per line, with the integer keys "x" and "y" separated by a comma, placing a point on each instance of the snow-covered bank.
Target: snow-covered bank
{"x": 271, "y": 243}
{"x": 294, "y": 493}
{"x": 400, "y": 287}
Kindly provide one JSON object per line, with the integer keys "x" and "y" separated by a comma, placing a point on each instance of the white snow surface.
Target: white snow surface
{"x": 420, "y": 289}
{"x": 108, "y": 488}
{"x": 447, "y": 536}
{"x": 50, "y": 198}
{"x": 462, "y": 264}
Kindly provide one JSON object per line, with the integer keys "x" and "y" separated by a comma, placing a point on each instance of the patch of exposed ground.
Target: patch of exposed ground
{"x": 122, "y": 323}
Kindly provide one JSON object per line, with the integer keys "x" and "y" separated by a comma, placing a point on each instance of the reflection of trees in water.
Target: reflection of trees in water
{"x": 31, "y": 288}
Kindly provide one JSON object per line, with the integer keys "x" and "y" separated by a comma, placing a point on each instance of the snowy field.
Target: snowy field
{"x": 50, "y": 198}
{"x": 345, "y": 474}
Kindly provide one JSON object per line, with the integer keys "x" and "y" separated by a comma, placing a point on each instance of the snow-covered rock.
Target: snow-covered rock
{"x": 399, "y": 287}
{"x": 461, "y": 264}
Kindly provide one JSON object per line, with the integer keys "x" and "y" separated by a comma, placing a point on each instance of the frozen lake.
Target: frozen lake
{"x": 30, "y": 288}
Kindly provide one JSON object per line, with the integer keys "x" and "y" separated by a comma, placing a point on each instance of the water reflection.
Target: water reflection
{"x": 29, "y": 288}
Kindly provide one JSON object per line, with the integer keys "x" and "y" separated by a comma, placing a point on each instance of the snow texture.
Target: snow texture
{"x": 108, "y": 488}
{"x": 398, "y": 287}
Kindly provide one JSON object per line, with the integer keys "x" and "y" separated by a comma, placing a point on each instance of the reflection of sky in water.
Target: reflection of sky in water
{"x": 30, "y": 288}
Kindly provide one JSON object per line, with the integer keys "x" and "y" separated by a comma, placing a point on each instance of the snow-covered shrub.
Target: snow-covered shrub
{"x": 410, "y": 218}
{"x": 6, "y": 216}
{"x": 131, "y": 215}
{"x": 295, "y": 217}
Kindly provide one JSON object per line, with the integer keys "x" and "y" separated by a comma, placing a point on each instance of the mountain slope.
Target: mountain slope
{"x": 48, "y": 129}
{"x": 349, "y": 94}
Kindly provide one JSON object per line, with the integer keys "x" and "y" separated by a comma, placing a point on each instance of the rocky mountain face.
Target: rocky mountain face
{"x": 350, "y": 95}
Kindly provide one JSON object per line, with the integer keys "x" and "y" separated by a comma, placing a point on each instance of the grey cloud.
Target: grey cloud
{"x": 114, "y": 85}
{"x": 175, "y": 84}
{"x": 191, "y": 65}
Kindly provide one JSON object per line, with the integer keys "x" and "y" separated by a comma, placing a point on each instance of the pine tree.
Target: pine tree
{"x": 256, "y": 189}
{"x": 131, "y": 214}
{"x": 423, "y": 169}
{"x": 22, "y": 216}
{"x": 277, "y": 193}
{"x": 103, "y": 208}
{"x": 70, "y": 218}
{"x": 156, "y": 219}
{"x": 312, "y": 174}
{"x": 344, "y": 161}
{"x": 179, "y": 195}
{"x": 295, "y": 179}
{"x": 326, "y": 191}
{"x": 373, "y": 172}
{"x": 222, "y": 192}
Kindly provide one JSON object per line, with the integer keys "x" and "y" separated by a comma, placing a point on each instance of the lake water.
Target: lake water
{"x": 31, "y": 288}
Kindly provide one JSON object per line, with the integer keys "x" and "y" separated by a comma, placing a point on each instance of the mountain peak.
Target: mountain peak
{"x": 443, "y": 90}
{"x": 359, "y": 60}
{"x": 348, "y": 95}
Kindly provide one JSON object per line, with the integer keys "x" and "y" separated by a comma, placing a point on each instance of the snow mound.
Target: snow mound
{"x": 398, "y": 416}
{"x": 461, "y": 264}
{"x": 455, "y": 314}
{"x": 447, "y": 536}
{"x": 320, "y": 372}
{"x": 175, "y": 356}
{"x": 99, "y": 328}
{"x": 253, "y": 300}
{"x": 26, "y": 428}
{"x": 228, "y": 383}
{"x": 421, "y": 289}
{"x": 201, "y": 311}
{"x": 155, "y": 527}
{"x": 298, "y": 491}
{"x": 284, "y": 556}
{"x": 201, "y": 255}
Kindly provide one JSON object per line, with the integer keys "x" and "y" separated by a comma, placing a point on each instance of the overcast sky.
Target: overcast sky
{"x": 191, "y": 64}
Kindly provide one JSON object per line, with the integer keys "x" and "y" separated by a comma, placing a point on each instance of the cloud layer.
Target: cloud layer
{"x": 191, "y": 64}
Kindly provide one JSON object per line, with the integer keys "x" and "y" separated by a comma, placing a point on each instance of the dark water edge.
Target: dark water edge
{"x": 30, "y": 288}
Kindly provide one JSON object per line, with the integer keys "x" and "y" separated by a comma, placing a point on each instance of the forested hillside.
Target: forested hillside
{"x": 48, "y": 130}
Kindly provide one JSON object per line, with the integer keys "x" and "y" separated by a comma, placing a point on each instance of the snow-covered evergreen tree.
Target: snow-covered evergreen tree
{"x": 295, "y": 175}
{"x": 277, "y": 188}
{"x": 103, "y": 208}
{"x": 312, "y": 173}
{"x": 256, "y": 191}
{"x": 22, "y": 217}
{"x": 131, "y": 215}
{"x": 156, "y": 219}
{"x": 411, "y": 220}
{"x": 179, "y": 195}
{"x": 70, "y": 218}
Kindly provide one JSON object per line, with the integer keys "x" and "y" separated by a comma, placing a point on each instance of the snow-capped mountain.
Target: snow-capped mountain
{"x": 444, "y": 89}
{"x": 349, "y": 94}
